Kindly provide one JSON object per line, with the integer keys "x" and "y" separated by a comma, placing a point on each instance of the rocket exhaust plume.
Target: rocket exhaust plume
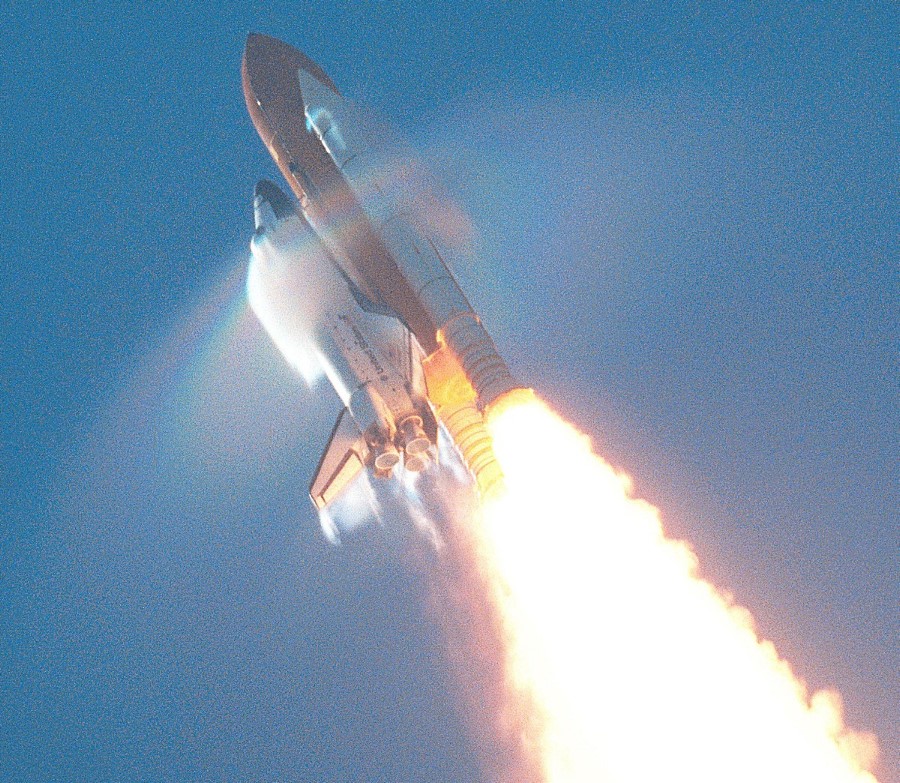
{"x": 618, "y": 662}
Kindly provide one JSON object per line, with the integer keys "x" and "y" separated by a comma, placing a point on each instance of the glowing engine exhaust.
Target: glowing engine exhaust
{"x": 632, "y": 668}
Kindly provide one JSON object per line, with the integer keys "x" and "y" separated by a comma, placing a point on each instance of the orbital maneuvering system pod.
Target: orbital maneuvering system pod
{"x": 351, "y": 280}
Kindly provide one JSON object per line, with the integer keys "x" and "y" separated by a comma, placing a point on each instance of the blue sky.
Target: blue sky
{"x": 686, "y": 230}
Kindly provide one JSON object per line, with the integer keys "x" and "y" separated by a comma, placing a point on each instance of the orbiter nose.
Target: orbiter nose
{"x": 270, "y": 205}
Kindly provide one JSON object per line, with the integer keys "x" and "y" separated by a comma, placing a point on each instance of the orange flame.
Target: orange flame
{"x": 639, "y": 670}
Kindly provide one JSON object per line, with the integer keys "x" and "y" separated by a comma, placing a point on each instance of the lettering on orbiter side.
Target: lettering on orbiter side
{"x": 364, "y": 346}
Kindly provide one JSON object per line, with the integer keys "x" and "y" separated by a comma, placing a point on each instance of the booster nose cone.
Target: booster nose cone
{"x": 270, "y": 205}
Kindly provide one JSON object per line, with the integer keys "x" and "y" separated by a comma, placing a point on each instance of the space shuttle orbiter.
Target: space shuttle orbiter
{"x": 351, "y": 279}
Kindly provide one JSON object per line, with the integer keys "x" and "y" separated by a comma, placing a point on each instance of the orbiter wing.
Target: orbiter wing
{"x": 344, "y": 459}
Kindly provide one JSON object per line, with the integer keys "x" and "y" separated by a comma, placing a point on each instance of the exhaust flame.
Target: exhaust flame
{"x": 634, "y": 668}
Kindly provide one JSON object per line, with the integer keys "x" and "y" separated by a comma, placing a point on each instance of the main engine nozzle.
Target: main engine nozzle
{"x": 415, "y": 444}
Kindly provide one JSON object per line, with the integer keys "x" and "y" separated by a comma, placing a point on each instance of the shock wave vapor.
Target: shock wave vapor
{"x": 350, "y": 281}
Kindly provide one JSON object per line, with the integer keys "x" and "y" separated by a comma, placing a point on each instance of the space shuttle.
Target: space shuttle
{"x": 349, "y": 280}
